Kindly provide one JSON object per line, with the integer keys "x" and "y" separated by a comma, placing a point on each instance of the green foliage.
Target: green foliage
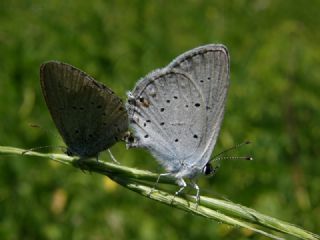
{"x": 273, "y": 101}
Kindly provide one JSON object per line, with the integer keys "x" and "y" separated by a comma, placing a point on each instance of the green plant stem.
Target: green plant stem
{"x": 142, "y": 181}
{"x": 183, "y": 204}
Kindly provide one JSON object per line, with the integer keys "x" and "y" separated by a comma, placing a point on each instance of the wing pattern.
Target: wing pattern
{"x": 88, "y": 115}
{"x": 176, "y": 112}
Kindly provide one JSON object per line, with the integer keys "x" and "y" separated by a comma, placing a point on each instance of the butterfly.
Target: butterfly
{"x": 88, "y": 115}
{"x": 176, "y": 112}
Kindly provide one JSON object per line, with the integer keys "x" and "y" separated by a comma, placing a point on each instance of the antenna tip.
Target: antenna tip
{"x": 249, "y": 158}
{"x": 247, "y": 142}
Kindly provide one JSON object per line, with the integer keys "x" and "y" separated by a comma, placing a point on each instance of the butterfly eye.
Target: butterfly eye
{"x": 208, "y": 169}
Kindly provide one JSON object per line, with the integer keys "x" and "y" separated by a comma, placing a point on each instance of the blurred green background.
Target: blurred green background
{"x": 273, "y": 101}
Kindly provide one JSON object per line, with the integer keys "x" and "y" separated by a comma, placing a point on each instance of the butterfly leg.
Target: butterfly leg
{"x": 156, "y": 183}
{"x": 196, "y": 187}
{"x": 112, "y": 157}
{"x": 182, "y": 184}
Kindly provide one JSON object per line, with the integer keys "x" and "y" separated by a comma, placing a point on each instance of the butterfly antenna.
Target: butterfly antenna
{"x": 37, "y": 148}
{"x": 112, "y": 157}
{"x": 233, "y": 158}
{"x": 216, "y": 157}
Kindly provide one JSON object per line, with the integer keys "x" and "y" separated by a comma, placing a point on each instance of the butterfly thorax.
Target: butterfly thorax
{"x": 187, "y": 171}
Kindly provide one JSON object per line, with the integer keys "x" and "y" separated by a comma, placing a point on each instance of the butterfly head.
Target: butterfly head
{"x": 209, "y": 170}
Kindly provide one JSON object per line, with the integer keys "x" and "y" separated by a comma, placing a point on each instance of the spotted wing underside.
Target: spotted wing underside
{"x": 209, "y": 67}
{"x": 165, "y": 112}
{"x": 88, "y": 115}
{"x": 176, "y": 112}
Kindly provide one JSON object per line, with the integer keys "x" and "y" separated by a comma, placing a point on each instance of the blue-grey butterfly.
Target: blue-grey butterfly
{"x": 176, "y": 112}
{"x": 88, "y": 115}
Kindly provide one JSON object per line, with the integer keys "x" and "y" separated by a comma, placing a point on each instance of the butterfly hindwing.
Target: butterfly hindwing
{"x": 165, "y": 116}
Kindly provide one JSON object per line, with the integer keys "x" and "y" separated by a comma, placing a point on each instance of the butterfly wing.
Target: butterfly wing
{"x": 88, "y": 115}
{"x": 209, "y": 68}
{"x": 165, "y": 110}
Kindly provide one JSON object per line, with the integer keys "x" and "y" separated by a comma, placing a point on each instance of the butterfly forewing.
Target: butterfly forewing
{"x": 209, "y": 67}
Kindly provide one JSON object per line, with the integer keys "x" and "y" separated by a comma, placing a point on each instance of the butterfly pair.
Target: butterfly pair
{"x": 175, "y": 112}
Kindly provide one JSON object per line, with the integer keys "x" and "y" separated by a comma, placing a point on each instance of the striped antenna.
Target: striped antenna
{"x": 217, "y": 157}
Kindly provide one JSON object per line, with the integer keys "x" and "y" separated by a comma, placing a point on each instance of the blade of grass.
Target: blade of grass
{"x": 255, "y": 217}
{"x": 181, "y": 203}
{"x": 141, "y": 181}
